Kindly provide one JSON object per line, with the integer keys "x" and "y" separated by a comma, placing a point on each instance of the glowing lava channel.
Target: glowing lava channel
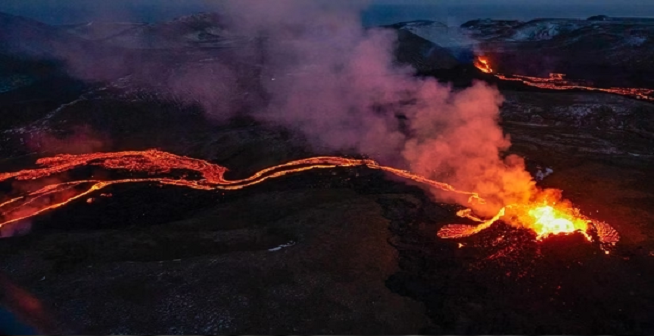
{"x": 544, "y": 219}
{"x": 557, "y": 81}
{"x": 59, "y": 194}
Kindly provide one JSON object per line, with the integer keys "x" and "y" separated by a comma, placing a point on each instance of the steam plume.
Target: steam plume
{"x": 336, "y": 82}
{"x": 317, "y": 70}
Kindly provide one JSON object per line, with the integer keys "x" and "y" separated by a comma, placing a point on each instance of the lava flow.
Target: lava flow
{"x": 557, "y": 81}
{"x": 544, "y": 219}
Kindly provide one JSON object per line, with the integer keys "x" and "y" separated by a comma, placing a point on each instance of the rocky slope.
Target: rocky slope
{"x": 595, "y": 124}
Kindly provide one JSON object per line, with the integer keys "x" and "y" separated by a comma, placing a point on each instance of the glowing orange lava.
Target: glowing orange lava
{"x": 543, "y": 218}
{"x": 482, "y": 64}
{"x": 548, "y": 220}
{"x": 55, "y": 195}
{"x": 43, "y": 192}
{"x": 557, "y": 81}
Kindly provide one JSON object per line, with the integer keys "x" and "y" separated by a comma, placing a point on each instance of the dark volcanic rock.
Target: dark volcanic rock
{"x": 599, "y": 125}
{"x": 221, "y": 271}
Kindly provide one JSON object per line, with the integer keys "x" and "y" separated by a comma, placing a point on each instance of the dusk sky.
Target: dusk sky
{"x": 451, "y": 12}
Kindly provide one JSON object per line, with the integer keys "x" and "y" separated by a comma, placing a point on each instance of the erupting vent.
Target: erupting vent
{"x": 482, "y": 64}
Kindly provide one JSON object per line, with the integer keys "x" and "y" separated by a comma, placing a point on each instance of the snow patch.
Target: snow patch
{"x": 543, "y": 30}
{"x": 289, "y": 244}
{"x": 541, "y": 174}
{"x": 635, "y": 41}
{"x": 439, "y": 33}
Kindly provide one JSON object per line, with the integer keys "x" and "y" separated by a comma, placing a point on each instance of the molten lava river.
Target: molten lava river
{"x": 41, "y": 190}
{"x": 557, "y": 81}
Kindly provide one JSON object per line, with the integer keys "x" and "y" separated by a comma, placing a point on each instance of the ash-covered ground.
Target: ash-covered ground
{"x": 335, "y": 251}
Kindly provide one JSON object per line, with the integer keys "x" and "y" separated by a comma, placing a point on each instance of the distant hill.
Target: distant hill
{"x": 423, "y": 55}
{"x": 615, "y": 51}
{"x": 204, "y": 29}
{"x": 19, "y": 35}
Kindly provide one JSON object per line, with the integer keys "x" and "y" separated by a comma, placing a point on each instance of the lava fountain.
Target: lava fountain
{"x": 482, "y": 64}
{"x": 549, "y": 220}
{"x": 542, "y": 217}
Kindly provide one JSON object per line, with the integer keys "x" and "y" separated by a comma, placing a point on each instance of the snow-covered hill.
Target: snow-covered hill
{"x": 535, "y": 30}
{"x": 539, "y": 30}
{"x": 23, "y": 36}
{"x": 204, "y": 29}
{"x": 97, "y": 30}
{"x": 436, "y": 32}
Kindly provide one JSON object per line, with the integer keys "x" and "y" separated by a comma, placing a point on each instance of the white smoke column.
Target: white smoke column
{"x": 336, "y": 82}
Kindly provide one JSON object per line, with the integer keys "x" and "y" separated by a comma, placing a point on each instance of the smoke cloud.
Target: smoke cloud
{"x": 78, "y": 140}
{"x": 311, "y": 66}
{"x": 323, "y": 74}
